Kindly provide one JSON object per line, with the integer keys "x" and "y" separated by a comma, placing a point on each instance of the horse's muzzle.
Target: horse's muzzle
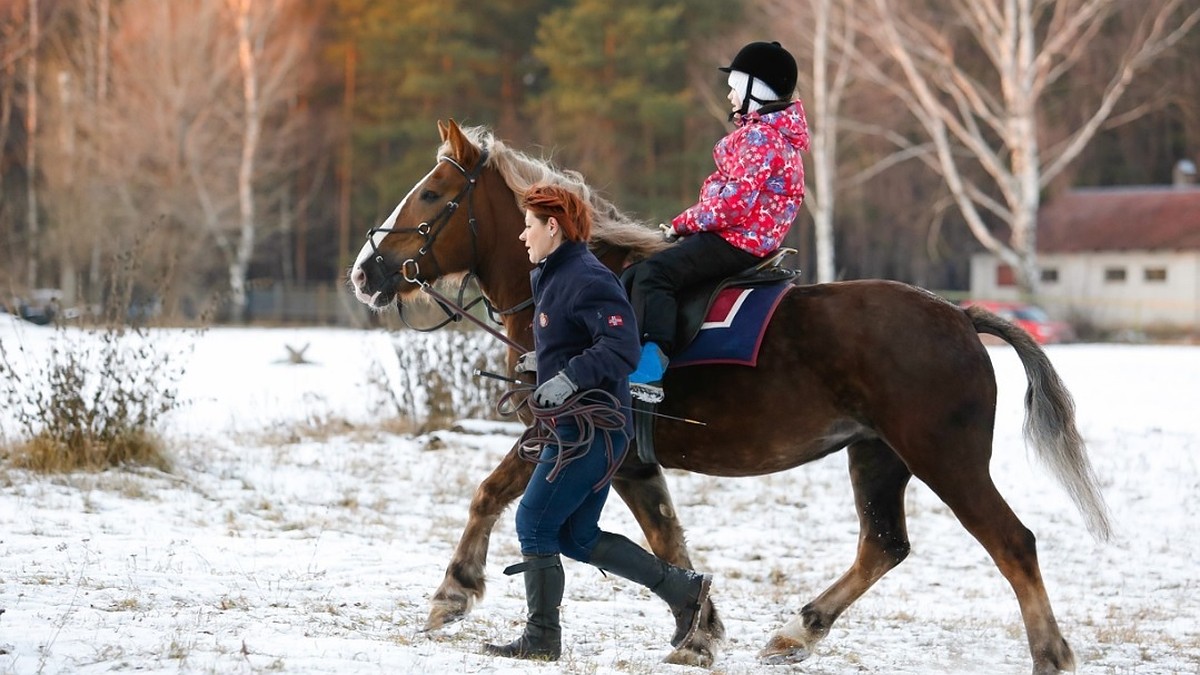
{"x": 372, "y": 285}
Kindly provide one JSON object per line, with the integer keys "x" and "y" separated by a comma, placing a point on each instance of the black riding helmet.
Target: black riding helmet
{"x": 769, "y": 63}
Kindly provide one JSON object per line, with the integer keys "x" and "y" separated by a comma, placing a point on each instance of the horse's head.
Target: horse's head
{"x": 433, "y": 233}
{"x": 430, "y": 233}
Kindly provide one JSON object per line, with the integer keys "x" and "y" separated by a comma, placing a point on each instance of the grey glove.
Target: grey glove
{"x": 527, "y": 363}
{"x": 554, "y": 391}
{"x": 669, "y": 233}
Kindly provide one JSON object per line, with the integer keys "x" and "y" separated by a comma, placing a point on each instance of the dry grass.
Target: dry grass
{"x": 48, "y": 454}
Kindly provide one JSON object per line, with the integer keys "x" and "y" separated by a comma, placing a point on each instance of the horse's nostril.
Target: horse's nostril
{"x": 358, "y": 277}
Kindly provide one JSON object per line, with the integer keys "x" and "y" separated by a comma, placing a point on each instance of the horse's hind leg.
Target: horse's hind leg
{"x": 879, "y": 478}
{"x": 464, "y": 580}
{"x": 644, "y": 490}
{"x": 973, "y": 497}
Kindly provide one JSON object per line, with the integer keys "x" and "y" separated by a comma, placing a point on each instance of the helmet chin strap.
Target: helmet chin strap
{"x": 747, "y": 97}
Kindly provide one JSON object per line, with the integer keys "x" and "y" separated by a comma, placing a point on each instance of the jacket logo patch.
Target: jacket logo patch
{"x": 616, "y": 320}
{"x": 543, "y": 320}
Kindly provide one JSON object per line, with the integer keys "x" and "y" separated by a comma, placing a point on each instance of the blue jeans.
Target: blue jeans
{"x": 563, "y": 516}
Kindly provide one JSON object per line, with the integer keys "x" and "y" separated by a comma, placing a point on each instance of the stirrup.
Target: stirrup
{"x": 650, "y": 393}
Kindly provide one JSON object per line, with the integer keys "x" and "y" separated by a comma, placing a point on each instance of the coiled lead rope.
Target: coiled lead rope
{"x": 591, "y": 411}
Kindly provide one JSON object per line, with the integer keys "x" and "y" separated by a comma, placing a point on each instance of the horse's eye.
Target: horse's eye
{"x": 428, "y": 195}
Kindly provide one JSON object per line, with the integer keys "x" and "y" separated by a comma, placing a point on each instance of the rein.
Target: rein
{"x": 461, "y": 312}
{"x": 410, "y": 269}
{"x": 456, "y": 311}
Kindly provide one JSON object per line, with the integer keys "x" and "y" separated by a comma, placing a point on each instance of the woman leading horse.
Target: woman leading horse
{"x": 891, "y": 373}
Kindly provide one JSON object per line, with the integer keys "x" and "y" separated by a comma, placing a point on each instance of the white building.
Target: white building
{"x": 1113, "y": 259}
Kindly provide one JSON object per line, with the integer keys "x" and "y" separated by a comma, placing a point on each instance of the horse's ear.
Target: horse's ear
{"x": 443, "y": 130}
{"x": 464, "y": 151}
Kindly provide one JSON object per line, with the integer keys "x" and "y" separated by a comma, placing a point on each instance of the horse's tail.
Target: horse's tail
{"x": 1050, "y": 421}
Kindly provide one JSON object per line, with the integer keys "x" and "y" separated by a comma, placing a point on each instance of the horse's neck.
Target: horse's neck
{"x": 507, "y": 293}
{"x": 503, "y": 265}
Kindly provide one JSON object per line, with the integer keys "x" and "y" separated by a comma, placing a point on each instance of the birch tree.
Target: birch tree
{"x": 993, "y": 147}
{"x": 251, "y": 127}
{"x": 269, "y": 58}
{"x": 822, "y": 36}
{"x": 210, "y": 125}
{"x": 825, "y": 38}
{"x": 824, "y": 75}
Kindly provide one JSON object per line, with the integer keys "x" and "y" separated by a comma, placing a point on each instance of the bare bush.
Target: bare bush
{"x": 92, "y": 402}
{"x": 437, "y": 382}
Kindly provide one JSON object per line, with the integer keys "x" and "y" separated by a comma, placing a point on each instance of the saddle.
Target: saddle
{"x": 693, "y": 306}
{"x": 694, "y": 303}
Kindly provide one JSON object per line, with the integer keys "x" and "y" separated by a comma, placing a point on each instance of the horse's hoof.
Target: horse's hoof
{"x": 782, "y": 651}
{"x": 443, "y": 614}
{"x": 790, "y": 658}
{"x": 687, "y": 655}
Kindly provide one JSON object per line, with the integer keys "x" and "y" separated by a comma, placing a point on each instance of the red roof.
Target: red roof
{"x": 1121, "y": 219}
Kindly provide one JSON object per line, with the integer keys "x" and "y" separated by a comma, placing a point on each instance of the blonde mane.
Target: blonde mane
{"x": 611, "y": 226}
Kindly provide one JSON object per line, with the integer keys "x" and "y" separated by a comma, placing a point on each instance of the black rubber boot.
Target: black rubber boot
{"x": 683, "y": 590}
{"x": 542, "y": 639}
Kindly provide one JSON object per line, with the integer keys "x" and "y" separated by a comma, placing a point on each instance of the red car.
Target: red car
{"x": 1032, "y": 318}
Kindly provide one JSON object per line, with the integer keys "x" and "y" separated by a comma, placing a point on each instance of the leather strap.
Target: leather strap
{"x": 533, "y": 563}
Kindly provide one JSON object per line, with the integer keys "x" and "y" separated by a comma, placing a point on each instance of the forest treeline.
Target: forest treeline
{"x": 208, "y": 145}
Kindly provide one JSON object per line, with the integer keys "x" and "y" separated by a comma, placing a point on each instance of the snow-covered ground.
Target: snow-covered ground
{"x": 302, "y": 530}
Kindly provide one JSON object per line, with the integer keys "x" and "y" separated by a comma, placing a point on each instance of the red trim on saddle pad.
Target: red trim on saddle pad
{"x": 733, "y": 329}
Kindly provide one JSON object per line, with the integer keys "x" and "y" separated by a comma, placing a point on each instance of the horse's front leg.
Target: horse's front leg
{"x": 644, "y": 490}
{"x": 464, "y": 582}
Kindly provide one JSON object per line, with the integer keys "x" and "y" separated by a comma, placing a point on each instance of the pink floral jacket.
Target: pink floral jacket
{"x": 756, "y": 191}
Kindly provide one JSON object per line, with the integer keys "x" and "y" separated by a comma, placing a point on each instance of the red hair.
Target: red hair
{"x": 574, "y": 215}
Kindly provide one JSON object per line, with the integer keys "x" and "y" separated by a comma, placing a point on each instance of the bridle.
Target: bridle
{"x": 429, "y": 230}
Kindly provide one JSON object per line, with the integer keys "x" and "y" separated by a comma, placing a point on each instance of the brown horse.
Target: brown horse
{"x": 892, "y": 373}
